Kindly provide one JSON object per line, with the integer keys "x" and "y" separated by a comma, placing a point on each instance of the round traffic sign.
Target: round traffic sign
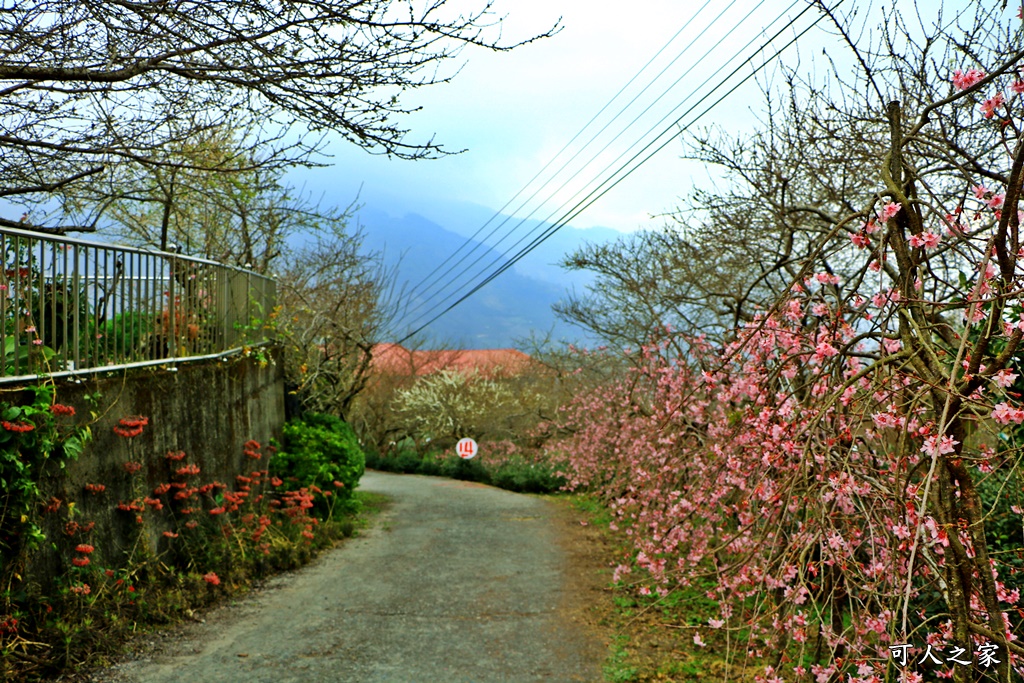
{"x": 466, "y": 448}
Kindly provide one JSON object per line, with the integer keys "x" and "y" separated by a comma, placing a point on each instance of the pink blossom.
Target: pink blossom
{"x": 827, "y": 278}
{"x": 1003, "y": 414}
{"x": 989, "y": 106}
{"x": 1017, "y": 87}
{"x": 1005, "y": 378}
{"x": 935, "y": 445}
{"x": 860, "y": 240}
{"x": 698, "y": 641}
{"x": 888, "y": 211}
{"x": 980, "y": 191}
{"x": 825, "y": 350}
{"x": 962, "y": 81}
{"x": 996, "y": 200}
{"x": 885, "y": 420}
{"x": 928, "y": 240}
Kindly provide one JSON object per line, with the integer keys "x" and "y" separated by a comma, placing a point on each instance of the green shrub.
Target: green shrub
{"x": 514, "y": 474}
{"x": 318, "y": 451}
{"x": 526, "y": 477}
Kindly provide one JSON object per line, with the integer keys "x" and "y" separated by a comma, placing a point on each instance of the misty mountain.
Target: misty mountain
{"x": 512, "y": 306}
{"x": 474, "y": 221}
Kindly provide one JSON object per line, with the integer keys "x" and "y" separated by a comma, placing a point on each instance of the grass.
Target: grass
{"x": 651, "y": 635}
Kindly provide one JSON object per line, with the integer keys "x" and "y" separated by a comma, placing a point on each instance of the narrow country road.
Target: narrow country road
{"x": 454, "y": 582}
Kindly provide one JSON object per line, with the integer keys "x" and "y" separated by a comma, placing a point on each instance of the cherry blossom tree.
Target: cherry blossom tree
{"x": 835, "y": 465}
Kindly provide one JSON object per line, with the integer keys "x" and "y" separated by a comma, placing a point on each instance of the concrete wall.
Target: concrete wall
{"x": 206, "y": 409}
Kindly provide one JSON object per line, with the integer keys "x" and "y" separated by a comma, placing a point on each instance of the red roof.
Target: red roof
{"x": 396, "y": 359}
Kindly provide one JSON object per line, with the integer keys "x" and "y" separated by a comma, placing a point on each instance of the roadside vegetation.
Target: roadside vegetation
{"x": 219, "y": 538}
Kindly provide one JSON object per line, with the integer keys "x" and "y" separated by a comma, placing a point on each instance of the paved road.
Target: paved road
{"x": 455, "y": 582}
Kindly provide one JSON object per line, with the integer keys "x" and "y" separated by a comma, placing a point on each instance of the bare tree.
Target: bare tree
{"x": 336, "y": 303}
{"x": 89, "y": 85}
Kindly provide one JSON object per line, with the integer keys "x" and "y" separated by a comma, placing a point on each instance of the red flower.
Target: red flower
{"x": 18, "y": 426}
{"x": 188, "y": 470}
{"x": 211, "y": 579}
{"x": 127, "y": 433}
{"x": 171, "y": 455}
{"x": 134, "y": 421}
{"x": 191, "y": 524}
{"x": 132, "y": 467}
{"x": 217, "y": 511}
{"x": 84, "y": 548}
{"x": 60, "y": 409}
{"x": 80, "y": 561}
{"x": 170, "y": 534}
{"x": 95, "y": 489}
{"x": 161, "y": 489}
{"x": 338, "y": 484}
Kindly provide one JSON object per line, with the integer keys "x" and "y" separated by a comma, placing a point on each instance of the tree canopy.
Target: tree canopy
{"x": 86, "y": 85}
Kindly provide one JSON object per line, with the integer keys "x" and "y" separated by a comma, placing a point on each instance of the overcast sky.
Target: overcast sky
{"x": 513, "y": 111}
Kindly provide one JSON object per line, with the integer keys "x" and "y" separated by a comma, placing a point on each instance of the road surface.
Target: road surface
{"x": 454, "y": 582}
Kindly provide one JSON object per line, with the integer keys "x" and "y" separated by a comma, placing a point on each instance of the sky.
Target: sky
{"x": 513, "y": 111}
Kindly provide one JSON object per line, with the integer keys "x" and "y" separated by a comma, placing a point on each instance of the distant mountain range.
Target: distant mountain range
{"x": 511, "y": 307}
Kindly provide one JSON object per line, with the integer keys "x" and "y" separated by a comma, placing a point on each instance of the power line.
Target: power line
{"x": 594, "y": 118}
{"x": 460, "y": 275}
{"x": 710, "y": 78}
{"x": 598, "y": 192}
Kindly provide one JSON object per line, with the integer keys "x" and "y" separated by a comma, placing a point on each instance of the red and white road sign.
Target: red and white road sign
{"x": 466, "y": 448}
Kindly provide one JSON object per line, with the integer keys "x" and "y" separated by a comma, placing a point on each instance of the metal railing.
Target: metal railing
{"x": 69, "y": 306}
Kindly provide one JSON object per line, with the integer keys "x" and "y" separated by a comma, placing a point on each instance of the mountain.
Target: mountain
{"x": 512, "y": 306}
{"x": 474, "y": 221}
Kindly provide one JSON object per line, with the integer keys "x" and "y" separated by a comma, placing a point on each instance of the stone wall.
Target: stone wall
{"x": 206, "y": 409}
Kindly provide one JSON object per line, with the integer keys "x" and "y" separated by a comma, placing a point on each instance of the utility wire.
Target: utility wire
{"x": 598, "y": 192}
{"x": 460, "y": 275}
{"x": 463, "y": 274}
{"x": 567, "y": 145}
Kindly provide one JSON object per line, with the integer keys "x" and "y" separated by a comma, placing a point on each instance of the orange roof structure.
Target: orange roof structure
{"x": 397, "y": 360}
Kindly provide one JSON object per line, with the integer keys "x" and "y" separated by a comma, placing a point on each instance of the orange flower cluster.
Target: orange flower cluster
{"x": 251, "y": 448}
{"x": 130, "y": 427}
{"x": 61, "y": 409}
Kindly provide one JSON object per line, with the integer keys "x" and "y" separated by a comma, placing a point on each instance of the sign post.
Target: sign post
{"x": 466, "y": 448}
